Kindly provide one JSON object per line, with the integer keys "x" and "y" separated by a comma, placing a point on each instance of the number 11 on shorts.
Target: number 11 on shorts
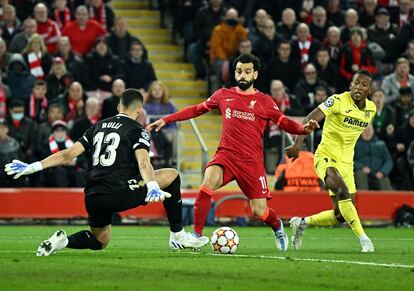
{"x": 263, "y": 181}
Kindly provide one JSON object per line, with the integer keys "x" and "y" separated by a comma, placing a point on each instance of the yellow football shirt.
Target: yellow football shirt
{"x": 344, "y": 123}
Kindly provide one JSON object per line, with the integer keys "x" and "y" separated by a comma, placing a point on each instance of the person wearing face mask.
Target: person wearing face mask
{"x": 21, "y": 128}
{"x": 67, "y": 175}
{"x": 224, "y": 42}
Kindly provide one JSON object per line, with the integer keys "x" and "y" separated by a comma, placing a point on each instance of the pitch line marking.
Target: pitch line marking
{"x": 281, "y": 258}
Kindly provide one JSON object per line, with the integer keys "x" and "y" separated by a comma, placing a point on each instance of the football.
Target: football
{"x": 225, "y": 240}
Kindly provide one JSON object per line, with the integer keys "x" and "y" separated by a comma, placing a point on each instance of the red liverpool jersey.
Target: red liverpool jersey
{"x": 244, "y": 120}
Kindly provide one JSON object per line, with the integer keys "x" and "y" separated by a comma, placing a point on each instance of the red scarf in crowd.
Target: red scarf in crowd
{"x": 283, "y": 103}
{"x": 101, "y": 17}
{"x": 94, "y": 118}
{"x": 66, "y": 17}
{"x": 35, "y": 65}
{"x": 304, "y": 50}
{"x": 3, "y": 106}
{"x": 54, "y": 148}
{"x": 33, "y": 104}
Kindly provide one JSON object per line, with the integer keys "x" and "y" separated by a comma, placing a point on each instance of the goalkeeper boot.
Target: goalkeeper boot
{"x": 55, "y": 243}
{"x": 282, "y": 240}
{"x": 366, "y": 245}
{"x": 182, "y": 240}
{"x": 298, "y": 226}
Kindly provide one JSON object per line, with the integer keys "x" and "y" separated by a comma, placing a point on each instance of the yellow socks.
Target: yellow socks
{"x": 324, "y": 218}
{"x": 349, "y": 213}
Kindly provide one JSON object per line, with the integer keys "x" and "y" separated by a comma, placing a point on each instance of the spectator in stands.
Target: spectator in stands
{"x": 19, "y": 80}
{"x": 400, "y": 78}
{"x": 305, "y": 13}
{"x": 58, "y": 80}
{"x": 36, "y": 57}
{"x": 367, "y": 12}
{"x": 402, "y": 106}
{"x": 158, "y": 103}
{"x": 305, "y": 88}
{"x": 9, "y": 150}
{"x": 83, "y": 32}
{"x": 384, "y": 120}
{"x": 335, "y": 14}
{"x": 120, "y": 40}
{"x": 320, "y": 23}
{"x": 334, "y": 45}
{"x": 409, "y": 55}
{"x": 406, "y": 35}
{"x": 384, "y": 33}
{"x": 102, "y": 13}
{"x": 4, "y": 95}
{"x": 287, "y": 103}
{"x": 64, "y": 176}
{"x": 101, "y": 67}
{"x": 10, "y": 24}
{"x": 267, "y": 43}
{"x": 321, "y": 94}
{"x": 61, "y": 13}
{"x": 404, "y": 136}
{"x": 351, "y": 21}
{"x": 20, "y": 40}
{"x": 73, "y": 63}
{"x": 92, "y": 116}
{"x": 326, "y": 70}
{"x": 46, "y": 27}
{"x": 38, "y": 102}
{"x": 72, "y": 102}
{"x": 373, "y": 162}
{"x": 4, "y": 56}
{"x": 44, "y": 130}
{"x": 284, "y": 66}
{"x": 110, "y": 104}
{"x": 286, "y": 28}
{"x": 204, "y": 22}
{"x": 257, "y": 26}
{"x": 224, "y": 41}
{"x": 405, "y": 14}
{"x": 139, "y": 73}
{"x": 304, "y": 48}
{"x": 355, "y": 56}
{"x": 22, "y": 129}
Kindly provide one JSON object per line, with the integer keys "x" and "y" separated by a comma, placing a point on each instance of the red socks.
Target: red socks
{"x": 202, "y": 206}
{"x": 270, "y": 218}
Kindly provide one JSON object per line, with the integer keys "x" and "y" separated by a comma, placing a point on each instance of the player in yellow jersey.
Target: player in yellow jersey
{"x": 346, "y": 116}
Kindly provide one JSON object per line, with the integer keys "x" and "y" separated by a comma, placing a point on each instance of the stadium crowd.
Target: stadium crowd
{"x": 65, "y": 63}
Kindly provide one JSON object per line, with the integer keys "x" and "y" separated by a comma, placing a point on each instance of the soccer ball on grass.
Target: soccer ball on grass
{"x": 225, "y": 240}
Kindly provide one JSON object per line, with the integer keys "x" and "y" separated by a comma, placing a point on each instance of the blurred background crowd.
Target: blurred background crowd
{"x": 64, "y": 64}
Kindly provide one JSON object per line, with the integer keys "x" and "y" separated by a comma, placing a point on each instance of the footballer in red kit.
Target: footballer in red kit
{"x": 245, "y": 112}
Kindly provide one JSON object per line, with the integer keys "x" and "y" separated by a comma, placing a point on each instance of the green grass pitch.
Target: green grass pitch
{"x": 138, "y": 258}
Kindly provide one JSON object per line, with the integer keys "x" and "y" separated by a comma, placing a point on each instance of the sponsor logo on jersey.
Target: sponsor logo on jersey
{"x": 252, "y": 103}
{"x": 229, "y": 99}
{"x": 239, "y": 114}
{"x": 347, "y": 111}
{"x": 355, "y": 122}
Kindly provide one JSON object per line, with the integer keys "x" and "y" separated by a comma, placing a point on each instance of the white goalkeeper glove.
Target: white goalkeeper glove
{"x": 21, "y": 169}
{"x": 154, "y": 193}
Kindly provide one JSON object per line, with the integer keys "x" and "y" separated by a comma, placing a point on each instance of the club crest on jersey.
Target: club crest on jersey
{"x": 367, "y": 114}
{"x": 252, "y": 103}
{"x": 329, "y": 102}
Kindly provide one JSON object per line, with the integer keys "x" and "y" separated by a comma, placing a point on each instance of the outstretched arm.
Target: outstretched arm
{"x": 58, "y": 159}
{"x": 316, "y": 115}
{"x": 184, "y": 114}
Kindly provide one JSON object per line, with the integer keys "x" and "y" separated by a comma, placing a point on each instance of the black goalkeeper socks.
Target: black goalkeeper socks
{"x": 173, "y": 205}
{"x": 83, "y": 240}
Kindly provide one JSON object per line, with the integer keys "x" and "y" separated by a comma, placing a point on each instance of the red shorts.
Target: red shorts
{"x": 250, "y": 176}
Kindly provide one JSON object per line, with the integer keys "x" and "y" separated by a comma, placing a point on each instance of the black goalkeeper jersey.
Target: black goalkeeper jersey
{"x": 110, "y": 145}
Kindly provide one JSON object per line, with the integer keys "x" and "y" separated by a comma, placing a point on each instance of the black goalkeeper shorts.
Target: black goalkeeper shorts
{"x": 101, "y": 207}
